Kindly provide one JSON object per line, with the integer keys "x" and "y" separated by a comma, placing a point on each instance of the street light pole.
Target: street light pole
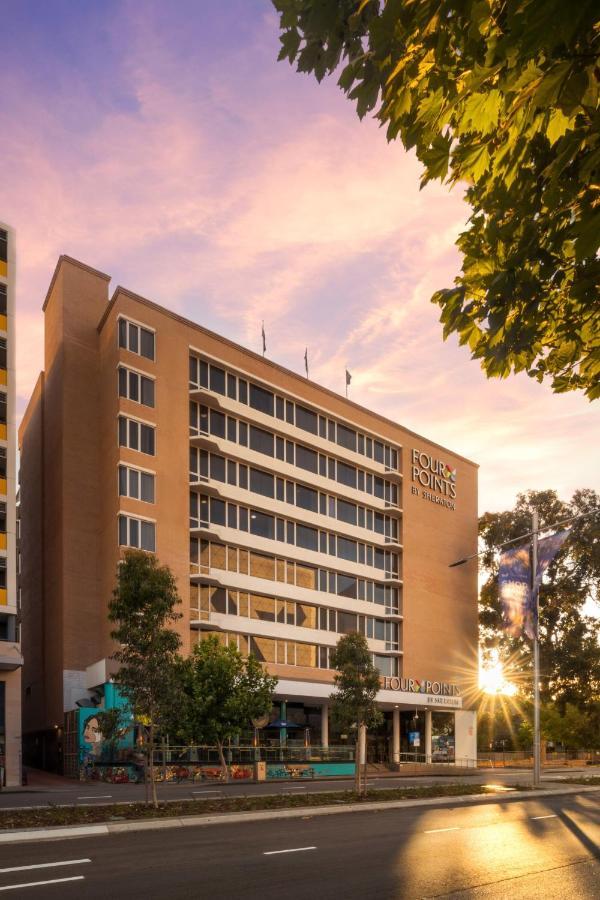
{"x": 537, "y": 762}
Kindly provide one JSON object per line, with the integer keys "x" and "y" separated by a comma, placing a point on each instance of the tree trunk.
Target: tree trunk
{"x": 152, "y": 778}
{"x": 223, "y": 763}
{"x": 357, "y": 763}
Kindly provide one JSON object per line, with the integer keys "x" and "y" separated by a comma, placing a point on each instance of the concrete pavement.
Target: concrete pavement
{"x": 544, "y": 847}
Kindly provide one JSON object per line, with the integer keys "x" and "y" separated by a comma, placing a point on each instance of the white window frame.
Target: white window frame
{"x": 129, "y": 468}
{"x": 138, "y": 325}
{"x": 129, "y": 419}
{"x": 139, "y": 520}
{"x": 140, "y": 375}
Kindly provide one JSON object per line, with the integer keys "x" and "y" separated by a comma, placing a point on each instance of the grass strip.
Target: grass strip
{"x": 583, "y": 779}
{"x": 89, "y": 815}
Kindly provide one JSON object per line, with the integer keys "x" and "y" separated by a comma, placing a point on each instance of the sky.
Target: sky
{"x": 163, "y": 144}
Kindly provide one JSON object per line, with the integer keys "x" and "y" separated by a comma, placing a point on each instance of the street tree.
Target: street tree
{"x": 569, "y": 598}
{"x": 113, "y": 724}
{"x": 221, "y": 692}
{"x": 501, "y": 96}
{"x": 353, "y": 703}
{"x": 143, "y": 610}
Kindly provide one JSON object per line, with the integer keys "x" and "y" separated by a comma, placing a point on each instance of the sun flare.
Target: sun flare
{"x": 492, "y": 679}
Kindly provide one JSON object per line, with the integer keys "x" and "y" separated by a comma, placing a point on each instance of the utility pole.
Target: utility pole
{"x": 537, "y": 760}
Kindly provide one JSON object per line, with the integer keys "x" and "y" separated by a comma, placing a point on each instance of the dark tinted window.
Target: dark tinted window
{"x": 3, "y": 245}
{"x": 147, "y": 343}
{"x": 147, "y": 439}
{"x": 306, "y": 537}
{"x": 346, "y": 474}
{"x": 262, "y": 525}
{"x": 147, "y": 392}
{"x": 217, "y": 467}
{"x": 346, "y": 437}
{"x": 217, "y": 380}
{"x": 122, "y": 331}
{"x": 346, "y": 512}
{"x": 217, "y": 511}
{"x": 231, "y": 392}
{"x": 307, "y": 498}
{"x": 346, "y": 549}
{"x": 307, "y": 419}
{"x": 122, "y": 481}
{"x": 306, "y": 459}
{"x": 217, "y": 423}
{"x": 378, "y": 451}
{"x": 261, "y": 399}
{"x": 261, "y": 441}
{"x": 147, "y": 487}
{"x": 347, "y": 622}
{"x": 148, "y": 539}
{"x": 262, "y": 483}
{"x": 346, "y": 586}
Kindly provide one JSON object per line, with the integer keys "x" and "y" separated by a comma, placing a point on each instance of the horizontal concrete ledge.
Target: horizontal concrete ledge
{"x": 300, "y": 812}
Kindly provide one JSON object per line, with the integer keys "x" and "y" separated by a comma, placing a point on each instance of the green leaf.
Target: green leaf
{"x": 481, "y": 112}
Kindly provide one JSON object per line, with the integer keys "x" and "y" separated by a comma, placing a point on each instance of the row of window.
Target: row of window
{"x": 289, "y": 612}
{"x": 213, "y": 422}
{"x": 3, "y": 407}
{"x": 137, "y": 436}
{"x": 136, "y": 484}
{"x": 136, "y": 387}
{"x": 214, "y": 378}
{"x": 3, "y": 300}
{"x": 211, "y": 510}
{"x": 293, "y": 653}
{"x": 2, "y": 462}
{"x": 9, "y": 630}
{"x": 137, "y": 533}
{"x": 3, "y": 245}
{"x": 205, "y": 466}
{"x": 206, "y": 555}
{"x": 136, "y": 339}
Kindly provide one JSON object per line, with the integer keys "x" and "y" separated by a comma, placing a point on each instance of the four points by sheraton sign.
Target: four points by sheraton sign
{"x": 434, "y": 478}
{"x": 421, "y": 691}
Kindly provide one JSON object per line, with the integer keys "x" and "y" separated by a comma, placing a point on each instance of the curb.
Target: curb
{"x": 75, "y": 831}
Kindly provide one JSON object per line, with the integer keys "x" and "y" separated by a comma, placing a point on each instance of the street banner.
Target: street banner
{"x": 547, "y": 550}
{"x": 514, "y": 581}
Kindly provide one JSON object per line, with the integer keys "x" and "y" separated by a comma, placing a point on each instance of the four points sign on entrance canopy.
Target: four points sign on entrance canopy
{"x": 435, "y": 478}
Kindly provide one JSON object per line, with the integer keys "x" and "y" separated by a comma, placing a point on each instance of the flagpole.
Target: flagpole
{"x": 537, "y": 761}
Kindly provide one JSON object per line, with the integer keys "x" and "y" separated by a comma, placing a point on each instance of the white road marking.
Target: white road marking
{"x": 65, "y": 862}
{"x": 293, "y": 850}
{"x": 95, "y": 797}
{"x": 13, "y": 887}
{"x": 552, "y": 816}
{"x": 206, "y": 792}
{"x": 437, "y": 830}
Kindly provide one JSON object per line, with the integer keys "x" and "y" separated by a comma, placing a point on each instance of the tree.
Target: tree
{"x": 143, "y": 609}
{"x": 222, "y": 691}
{"x": 356, "y": 686}
{"x": 501, "y": 95}
{"x": 113, "y": 726}
{"x": 569, "y": 639}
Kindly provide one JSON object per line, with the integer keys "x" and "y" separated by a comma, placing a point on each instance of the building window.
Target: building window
{"x": 137, "y": 533}
{"x": 3, "y": 407}
{"x": 3, "y": 245}
{"x": 136, "y": 387}
{"x": 3, "y": 355}
{"x": 136, "y": 484}
{"x": 3, "y": 518}
{"x": 2, "y": 462}
{"x": 136, "y": 339}
{"x": 136, "y": 436}
{"x": 3, "y": 300}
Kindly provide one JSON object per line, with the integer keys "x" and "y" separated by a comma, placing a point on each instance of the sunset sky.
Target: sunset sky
{"x": 163, "y": 144}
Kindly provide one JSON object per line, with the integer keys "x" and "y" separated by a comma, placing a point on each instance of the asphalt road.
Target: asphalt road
{"x": 544, "y": 848}
{"x": 82, "y": 794}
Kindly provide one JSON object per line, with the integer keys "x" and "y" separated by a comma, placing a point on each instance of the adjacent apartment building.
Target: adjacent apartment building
{"x": 288, "y": 514}
{"x": 10, "y": 651}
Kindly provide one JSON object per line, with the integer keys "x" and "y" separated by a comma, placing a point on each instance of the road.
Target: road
{"x": 82, "y": 794}
{"x": 546, "y": 848}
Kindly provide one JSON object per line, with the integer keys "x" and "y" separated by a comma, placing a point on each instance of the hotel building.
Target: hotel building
{"x": 10, "y": 651}
{"x": 288, "y": 514}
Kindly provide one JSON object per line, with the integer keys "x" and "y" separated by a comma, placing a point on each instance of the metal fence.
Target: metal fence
{"x": 505, "y": 759}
